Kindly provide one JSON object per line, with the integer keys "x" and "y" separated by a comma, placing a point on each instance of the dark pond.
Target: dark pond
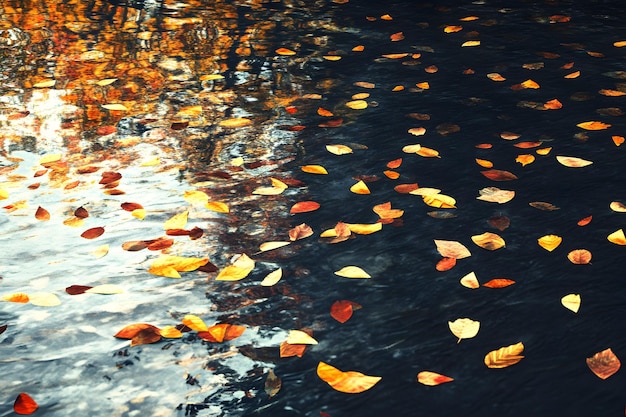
{"x": 180, "y": 97}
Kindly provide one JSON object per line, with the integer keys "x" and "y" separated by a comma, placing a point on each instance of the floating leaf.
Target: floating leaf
{"x": 195, "y": 197}
{"x": 484, "y": 163}
{"x": 495, "y": 195}
{"x": 579, "y": 256}
{"x": 217, "y": 206}
{"x": 304, "y": 207}
{"x": 464, "y": 328}
{"x": 300, "y": 231}
{"x": 618, "y": 140}
{"x": 339, "y": 149}
{"x": 365, "y": 229}
{"x": 439, "y": 200}
{"x": 177, "y": 221}
{"x": 287, "y": 350}
{"x": 525, "y": 159}
{"x": 92, "y": 233}
{"x": 238, "y": 270}
{"x": 169, "y": 266}
{"x": 222, "y": 332}
{"x": 489, "y": 241}
{"x": 352, "y": 272}
{"x": 298, "y": 337}
{"x": 170, "y": 332}
{"x": 543, "y": 205}
{"x": 543, "y": 151}
{"x": 505, "y": 356}
{"x": 236, "y": 122}
{"x": 145, "y": 337}
{"x": 499, "y": 175}
{"x": 267, "y": 246}
{"x": 272, "y": 278}
{"x": 130, "y": 331}
{"x": 593, "y": 125}
{"x": 417, "y": 131}
{"x": 470, "y": 281}
{"x": 360, "y": 188}
{"x": 617, "y": 207}
{"x": 44, "y": 299}
{"x": 550, "y": 242}
{"x": 617, "y": 237}
{"x": 432, "y": 378}
{"x": 498, "y": 283}
{"x": 571, "y": 302}
{"x": 314, "y": 169}
{"x": 195, "y": 323}
{"x": 357, "y": 104}
{"x": 572, "y": 161}
{"x": 285, "y": 51}
{"x": 18, "y": 297}
{"x": 350, "y": 382}
{"x": 428, "y": 152}
{"x": 105, "y": 289}
{"x": 604, "y": 364}
{"x": 470, "y": 43}
{"x": 584, "y": 221}
{"x": 42, "y": 214}
{"x": 324, "y": 113}
{"x": 445, "y": 264}
{"x": 452, "y": 249}
{"x": 115, "y": 107}
{"x": 385, "y": 211}
{"x": 272, "y": 384}
{"x": 342, "y": 310}
{"x": 24, "y": 404}
{"x": 412, "y": 148}
{"x": 499, "y": 222}
{"x": 494, "y": 76}
{"x": 406, "y": 188}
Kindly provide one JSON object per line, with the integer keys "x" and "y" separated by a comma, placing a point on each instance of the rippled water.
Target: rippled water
{"x": 160, "y": 54}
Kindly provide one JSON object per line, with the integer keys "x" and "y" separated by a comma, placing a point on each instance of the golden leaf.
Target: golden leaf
{"x": 417, "y": 131}
{"x": 439, "y": 201}
{"x": 314, "y": 169}
{"x": 195, "y": 323}
{"x": 550, "y": 242}
{"x": 298, "y": 337}
{"x": 360, "y": 188}
{"x": 238, "y": 270}
{"x": 617, "y": 206}
{"x": 196, "y": 197}
{"x": 571, "y": 302}
{"x": 428, "y": 152}
{"x": 593, "y": 125}
{"x": 138, "y": 213}
{"x": 452, "y": 249}
{"x": 572, "y": 161}
{"x": 170, "y": 332}
{"x": 505, "y": 356}
{"x": 170, "y": 266}
{"x": 350, "y": 382}
{"x": 217, "y": 206}
{"x": 464, "y": 328}
{"x": 484, "y": 163}
{"x": 339, "y": 149}
{"x": 352, "y": 272}
{"x": 235, "y": 122}
{"x": 285, "y": 51}
{"x": 432, "y": 378}
{"x": 115, "y": 106}
{"x": 525, "y": 159}
{"x": 45, "y": 84}
{"x": 470, "y": 281}
{"x": 365, "y": 229}
{"x": 530, "y": 84}
{"x": 543, "y": 151}
{"x": 177, "y": 221}
{"x": 357, "y": 104}
{"x": 272, "y": 278}
{"x": 452, "y": 28}
{"x": 489, "y": 241}
{"x": 617, "y": 237}
{"x": 470, "y": 43}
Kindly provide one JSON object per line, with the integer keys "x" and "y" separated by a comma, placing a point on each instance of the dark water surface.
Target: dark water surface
{"x": 172, "y": 139}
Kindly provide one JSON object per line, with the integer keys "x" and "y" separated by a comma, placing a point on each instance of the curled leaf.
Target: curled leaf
{"x": 350, "y": 382}
{"x": 489, "y": 241}
{"x": 464, "y": 328}
{"x": 604, "y": 364}
{"x": 505, "y": 356}
{"x": 579, "y": 256}
{"x": 432, "y": 378}
{"x": 550, "y": 242}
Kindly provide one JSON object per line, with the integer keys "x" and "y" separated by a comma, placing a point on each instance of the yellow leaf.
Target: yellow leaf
{"x": 49, "y": 158}
{"x": 470, "y": 281}
{"x": 432, "y": 378}
{"x": 423, "y": 85}
{"x": 360, "y": 188}
{"x": 237, "y": 162}
{"x": 364, "y": 229}
{"x": 189, "y": 111}
{"x": 238, "y": 270}
{"x": 106, "y": 81}
{"x": 574, "y": 74}
{"x": 272, "y": 278}
{"x": 452, "y": 28}
{"x": 267, "y": 246}
{"x": 494, "y": 76}
{"x": 45, "y": 84}
{"x": 278, "y": 183}
{"x": 469, "y": 18}
{"x": 617, "y": 206}
{"x": 489, "y": 241}
{"x": 439, "y": 201}
{"x": 331, "y": 57}
{"x": 550, "y": 242}
{"x": 105, "y": 289}
{"x": 115, "y": 106}
{"x": 470, "y": 43}
{"x": 619, "y": 44}
{"x": 101, "y": 251}
{"x": 571, "y": 302}
{"x": 411, "y": 148}
{"x": 352, "y": 272}
{"x": 543, "y": 151}
{"x": 525, "y": 159}
{"x": 139, "y": 213}
{"x": 357, "y": 104}
{"x": 617, "y": 237}
{"x": 505, "y": 356}
{"x": 298, "y": 337}
{"x": 217, "y": 206}
{"x": 268, "y": 191}
{"x": 177, "y": 221}
{"x": 360, "y": 96}
{"x": 593, "y": 125}
{"x": 211, "y": 77}
{"x": 572, "y": 161}
{"x": 428, "y": 152}
{"x": 195, "y": 323}
{"x": 350, "y": 382}
{"x": 236, "y": 122}
{"x": 170, "y": 332}
{"x": 339, "y": 149}
{"x": 151, "y": 162}
{"x": 422, "y": 191}
{"x": 484, "y": 163}
{"x": 464, "y": 328}
{"x": 530, "y": 84}
{"x": 4, "y": 194}
{"x": 314, "y": 169}
{"x": 44, "y": 299}
{"x": 196, "y": 197}
{"x": 169, "y": 265}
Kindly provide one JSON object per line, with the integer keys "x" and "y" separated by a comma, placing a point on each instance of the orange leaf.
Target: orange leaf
{"x": 432, "y": 378}
{"x": 574, "y": 74}
{"x": 612, "y": 93}
{"x": 584, "y": 221}
{"x": 42, "y": 214}
{"x": 604, "y": 364}
{"x": 423, "y": 85}
{"x": 398, "y": 36}
{"x": 527, "y": 145}
{"x": 24, "y": 404}
{"x": 350, "y": 382}
{"x": 385, "y": 211}
{"x": 499, "y": 175}
{"x": 287, "y": 350}
{"x": 594, "y": 125}
{"x": 452, "y": 28}
{"x": 406, "y": 188}
{"x": 18, "y": 297}
{"x": 323, "y": 112}
{"x": 530, "y": 84}
{"x": 304, "y": 206}
{"x": 553, "y": 104}
{"x": 494, "y": 76}
{"x": 341, "y": 310}
{"x": 131, "y": 330}
{"x": 314, "y": 169}
{"x": 498, "y": 283}
{"x": 92, "y": 233}
{"x": 525, "y": 159}
{"x": 445, "y": 264}
{"x": 146, "y": 337}
{"x": 300, "y": 232}
{"x": 617, "y": 140}
{"x": 222, "y": 332}
{"x": 579, "y": 256}
{"x": 394, "y": 164}
{"x": 285, "y": 51}
{"x": 392, "y": 175}
{"x": 417, "y": 131}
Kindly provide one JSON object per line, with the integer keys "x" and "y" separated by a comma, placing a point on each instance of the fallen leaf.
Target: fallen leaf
{"x": 604, "y": 364}
{"x": 299, "y": 337}
{"x": 525, "y": 159}
{"x": 553, "y": 104}
{"x": 267, "y": 246}
{"x": 543, "y": 151}
{"x": 584, "y": 221}
{"x": 550, "y": 242}
{"x": 195, "y": 323}
{"x": 130, "y": 331}
{"x": 470, "y": 281}
{"x": 452, "y": 249}
{"x": 445, "y": 264}
{"x": 612, "y": 93}
{"x": 495, "y": 195}
{"x": 272, "y": 384}
{"x": 464, "y": 328}
{"x": 498, "y": 283}
{"x": 314, "y": 169}
{"x": 217, "y": 206}
{"x": 406, "y": 188}
{"x": 304, "y": 207}
{"x": 42, "y": 214}
{"x": 169, "y": 265}
{"x": 339, "y": 149}
{"x": 593, "y": 125}
{"x": 571, "y": 302}
{"x": 439, "y": 200}
{"x": 177, "y": 221}
{"x": 115, "y": 107}
{"x": 146, "y": 337}
{"x": 398, "y": 36}
{"x": 300, "y": 231}
{"x": 499, "y": 175}
{"x": 342, "y": 310}
{"x": 432, "y": 378}
{"x": 24, "y": 404}
{"x": 543, "y": 205}
{"x": 494, "y": 76}
{"x": 489, "y": 241}
{"x": 272, "y": 278}
{"x": 617, "y": 207}
{"x": 77, "y": 289}
{"x": 92, "y": 233}
{"x": 352, "y": 272}
{"x": 499, "y": 222}
{"x": 350, "y": 382}
{"x": 428, "y": 152}
{"x": 470, "y": 43}
{"x": 572, "y": 161}
{"x": 417, "y": 131}
{"x": 505, "y": 356}
{"x": 365, "y": 229}
{"x": 285, "y": 51}
{"x": 360, "y": 188}
{"x": 288, "y": 350}
{"x": 170, "y": 332}
{"x": 221, "y": 332}
{"x": 618, "y": 140}
{"x": 235, "y": 122}
{"x": 617, "y": 237}
{"x": 384, "y": 211}
{"x": 579, "y": 256}
{"x": 357, "y": 104}
{"x": 484, "y": 163}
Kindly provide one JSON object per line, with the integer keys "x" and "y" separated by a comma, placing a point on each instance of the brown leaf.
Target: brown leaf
{"x": 542, "y": 205}
{"x": 42, "y": 214}
{"x": 92, "y": 233}
{"x": 81, "y": 213}
{"x": 499, "y": 222}
{"x": 130, "y": 331}
{"x": 604, "y": 364}
{"x": 272, "y": 384}
{"x": 300, "y": 231}
{"x": 109, "y": 177}
{"x": 287, "y": 350}
{"x": 499, "y": 175}
{"x": 406, "y": 188}
{"x": 77, "y": 289}
{"x": 134, "y": 245}
{"x": 131, "y": 206}
{"x": 146, "y": 336}
{"x": 579, "y": 256}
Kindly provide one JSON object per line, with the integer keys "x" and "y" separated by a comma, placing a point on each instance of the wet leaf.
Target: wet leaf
{"x": 553, "y": 104}
{"x": 505, "y": 356}
{"x": 406, "y": 188}
{"x": 428, "y": 152}
{"x": 217, "y": 206}
{"x": 394, "y": 164}
{"x": 412, "y": 148}
{"x": 360, "y": 188}
{"x": 617, "y": 207}
{"x": 300, "y": 231}
{"x": 470, "y": 43}
{"x": 195, "y": 323}
{"x": 593, "y": 125}
{"x": 304, "y": 207}
{"x": 81, "y": 213}
{"x": 494, "y": 76}
{"x": 525, "y": 159}
{"x": 342, "y": 310}
{"x": 499, "y": 175}
{"x": 572, "y": 161}
{"x": 77, "y": 289}
{"x": 240, "y": 269}
{"x": 499, "y": 222}
{"x": 495, "y": 195}
{"x": 432, "y": 378}
{"x": 130, "y": 331}
{"x": 550, "y": 242}
{"x": 464, "y": 328}
{"x": 222, "y": 332}
{"x": 350, "y": 382}
{"x": 324, "y": 113}
{"x": 42, "y": 214}
{"x": 365, "y": 229}
{"x": 452, "y": 249}
{"x": 130, "y": 206}
{"x": 579, "y": 256}
{"x": 571, "y": 302}
{"x": 617, "y": 237}
{"x": 543, "y": 205}
{"x": 299, "y": 337}
{"x": 498, "y": 283}
{"x": 169, "y": 265}
{"x": 272, "y": 384}
{"x": 170, "y": 332}
{"x": 439, "y": 200}
{"x": 105, "y": 289}
{"x": 417, "y": 131}
{"x": 285, "y": 51}
{"x": 339, "y": 149}
{"x": 604, "y": 364}
{"x": 470, "y": 281}
{"x": 489, "y": 241}
{"x": 352, "y": 271}
{"x": 146, "y": 337}
{"x": 384, "y": 211}
{"x": 236, "y": 122}
{"x": 484, "y": 163}
{"x": 584, "y": 221}
{"x": 357, "y": 104}
{"x": 177, "y": 221}
{"x": 24, "y": 404}
{"x": 92, "y": 233}
{"x": 543, "y": 151}
{"x": 272, "y": 278}
{"x": 445, "y": 264}
{"x": 618, "y": 140}
{"x": 314, "y": 169}
{"x": 115, "y": 107}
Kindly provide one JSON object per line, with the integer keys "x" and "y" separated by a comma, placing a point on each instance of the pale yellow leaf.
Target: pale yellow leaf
{"x": 45, "y": 84}
{"x": 352, "y": 272}
{"x": 115, "y": 106}
{"x": 195, "y": 323}
{"x": 49, "y": 158}
{"x": 267, "y": 246}
{"x": 235, "y": 122}
{"x": 196, "y": 197}
{"x": 470, "y": 43}
{"x": 505, "y": 356}
{"x": 101, "y": 251}
{"x": 572, "y": 161}
{"x": 106, "y": 81}
{"x": 470, "y": 281}
{"x": 272, "y": 278}
{"x": 571, "y": 302}
{"x": 339, "y": 149}
{"x": 44, "y": 299}
{"x": 464, "y": 328}
{"x": 357, "y": 104}
{"x": 105, "y": 289}
{"x": 298, "y": 337}
{"x": 177, "y": 221}
{"x": 411, "y": 148}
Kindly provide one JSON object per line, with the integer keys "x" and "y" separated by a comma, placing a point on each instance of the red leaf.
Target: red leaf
{"x": 445, "y": 264}
{"x": 196, "y": 233}
{"x": 332, "y": 123}
{"x": 406, "y": 188}
{"x": 585, "y": 221}
{"x": 42, "y": 214}
{"x": 160, "y": 244}
{"x": 81, "y": 213}
{"x": 304, "y": 206}
{"x": 498, "y": 283}
{"x": 131, "y": 206}
{"x": 108, "y": 177}
{"x": 394, "y": 164}
{"x": 24, "y": 404}
{"x": 499, "y": 175}
{"x": 177, "y": 232}
{"x": 92, "y": 233}
{"x": 77, "y": 289}
{"x": 341, "y": 310}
